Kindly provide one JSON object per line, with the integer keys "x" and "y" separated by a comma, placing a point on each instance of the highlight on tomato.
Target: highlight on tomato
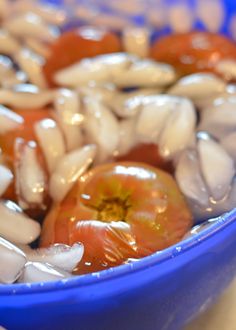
{"x": 119, "y": 211}
{"x": 194, "y": 51}
{"x": 74, "y": 45}
{"x": 25, "y": 132}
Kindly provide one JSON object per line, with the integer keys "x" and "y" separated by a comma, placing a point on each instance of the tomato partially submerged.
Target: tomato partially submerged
{"x": 79, "y": 43}
{"x": 119, "y": 211}
{"x": 147, "y": 153}
{"x": 193, "y": 52}
{"x": 25, "y": 132}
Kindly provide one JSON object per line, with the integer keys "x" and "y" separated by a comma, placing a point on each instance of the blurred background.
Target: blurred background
{"x": 162, "y": 15}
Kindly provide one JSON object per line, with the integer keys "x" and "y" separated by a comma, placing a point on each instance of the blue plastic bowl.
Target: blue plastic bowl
{"x": 161, "y": 292}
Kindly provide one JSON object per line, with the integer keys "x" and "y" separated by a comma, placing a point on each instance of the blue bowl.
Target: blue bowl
{"x": 163, "y": 291}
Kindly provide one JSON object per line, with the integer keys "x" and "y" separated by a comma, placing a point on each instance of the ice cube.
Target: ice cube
{"x": 59, "y": 255}
{"x": 12, "y": 261}
{"x": 41, "y": 272}
{"x": 15, "y": 225}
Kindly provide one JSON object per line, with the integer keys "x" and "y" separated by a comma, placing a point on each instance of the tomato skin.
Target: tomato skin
{"x": 104, "y": 254}
{"x": 25, "y": 131}
{"x": 79, "y": 43}
{"x": 193, "y": 52}
{"x": 147, "y": 153}
{"x": 153, "y": 211}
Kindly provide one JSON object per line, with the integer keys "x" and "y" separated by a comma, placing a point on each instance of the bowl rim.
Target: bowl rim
{"x": 218, "y": 224}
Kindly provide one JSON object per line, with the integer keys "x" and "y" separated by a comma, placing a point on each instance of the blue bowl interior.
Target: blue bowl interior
{"x": 228, "y": 17}
{"x": 165, "y": 262}
{"x": 166, "y": 280}
{"x": 219, "y": 15}
{"x": 160, "y": 257}
{"x": 165, "y": 290}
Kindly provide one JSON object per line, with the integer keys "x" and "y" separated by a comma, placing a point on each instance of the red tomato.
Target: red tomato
{"x": 119, "y": 211}
{"x": 26, "y": 132}
{"x": 194, "y": 51}
{"x": 74, "y": 45}
{"x": 147, "y": 153}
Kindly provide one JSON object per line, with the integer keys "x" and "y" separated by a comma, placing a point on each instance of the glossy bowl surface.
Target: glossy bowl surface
{"x": 160, "y": 292}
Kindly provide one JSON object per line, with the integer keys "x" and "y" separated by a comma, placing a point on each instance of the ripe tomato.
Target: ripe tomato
{"x": 119, "y": 211}
{"x": 79, "y": 43}
{"x": 147, "y": 153}
{"x": 194, "y": 51}
{"x": 25, "y": 131}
